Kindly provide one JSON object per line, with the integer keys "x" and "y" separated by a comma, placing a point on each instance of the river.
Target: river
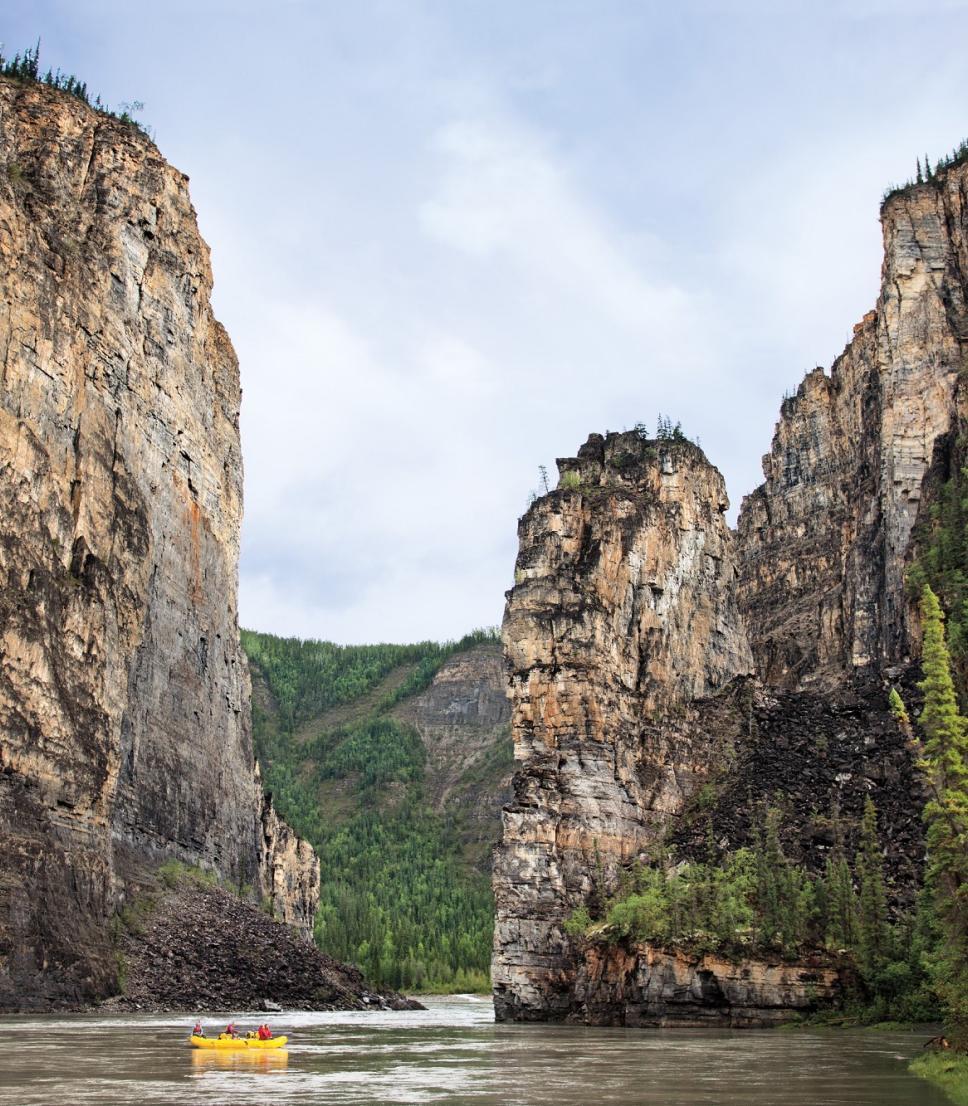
{"x": 450, "y": 1053}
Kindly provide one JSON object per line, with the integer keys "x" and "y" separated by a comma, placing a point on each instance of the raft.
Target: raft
{"x": 237, "y": 1042}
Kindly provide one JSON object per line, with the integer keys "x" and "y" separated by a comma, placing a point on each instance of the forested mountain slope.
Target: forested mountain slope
{"x": 394, "y": 761}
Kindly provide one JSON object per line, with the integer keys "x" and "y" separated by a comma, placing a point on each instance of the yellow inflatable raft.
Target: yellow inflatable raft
{"x": 237, "y": 1042}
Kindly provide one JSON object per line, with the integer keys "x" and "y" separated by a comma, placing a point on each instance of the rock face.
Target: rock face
{"x": 124, "y": 729}
{"x": 464, "y": 722}
{"x": 825, "y": 541}
{"x": 647, "y": 986}
{"x": 289, "y": 871}
{"x": 649, "y": 650}
{"x": 621, "y": 617}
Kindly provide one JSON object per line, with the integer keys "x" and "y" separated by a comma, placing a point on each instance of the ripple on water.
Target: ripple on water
{"x": 450, "y": 1053}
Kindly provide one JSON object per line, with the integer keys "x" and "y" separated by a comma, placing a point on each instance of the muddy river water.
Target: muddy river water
{"x": 451, "y": 1053}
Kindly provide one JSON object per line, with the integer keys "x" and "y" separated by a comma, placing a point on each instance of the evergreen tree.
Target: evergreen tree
{"x": 898, "y": 709}
{"x": 840, "y": 907}
{"x": 780, "y": 888}
{"x": 872, "y": 921}
{"x": 945, "y": 762}
{"x": 920, "y": 178}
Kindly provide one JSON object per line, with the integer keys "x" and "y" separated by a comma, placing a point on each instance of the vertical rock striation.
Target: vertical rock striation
{"x": 636, "y": 618}
{"x": 825, "y": 541}
{"x": 124, "y": 728}
{"x": 621, "y": 616}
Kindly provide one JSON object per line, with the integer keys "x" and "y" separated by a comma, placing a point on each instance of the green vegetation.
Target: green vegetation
{"x": 928, "y": 174}
{"x": 945, "y": 763}
{"x": 570, "y": 481}
{"x": 174, "y": 872}
{"x": 947, "y": 1070}
{"x": 898, "y": 709}
{"x": 667, "y": 431}
{"x": 943, "y": 561}
{"x": 398, "y": 897}
{"x": 755, "y": 901}
{"x": 25, "y": 67}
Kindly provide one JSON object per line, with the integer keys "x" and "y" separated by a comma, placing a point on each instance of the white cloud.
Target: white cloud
{"x": 458, "y": 238}
{"x": 502, "y": 192}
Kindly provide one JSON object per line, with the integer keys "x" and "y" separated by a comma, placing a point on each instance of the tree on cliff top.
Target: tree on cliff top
{"x": 945, "y": 763}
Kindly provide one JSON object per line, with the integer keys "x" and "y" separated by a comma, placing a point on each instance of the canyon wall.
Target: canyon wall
{"x": 124, "y": 726}
{"x": 650, "y": 651}
{"x": 622, "y": 616}
{"x": 824, "y": 543}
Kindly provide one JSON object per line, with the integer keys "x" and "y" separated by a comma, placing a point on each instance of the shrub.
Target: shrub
{"x": 570, "y": 482}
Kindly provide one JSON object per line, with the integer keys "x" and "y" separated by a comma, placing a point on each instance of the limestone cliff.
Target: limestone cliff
{"x": 643, "y": 985}
{"x": 824, "y": 543}
{"x": 622, "y": 617}
{"x": 124, "y": 728}
{"x": 649, "y": 649}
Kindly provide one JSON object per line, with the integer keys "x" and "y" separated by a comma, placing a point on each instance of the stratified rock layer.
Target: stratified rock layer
{"x": 824, "y": 543}
{"x": 642, "y": 985}
{"x": 124, "y": 731}
{"x": 620, "y": 618}
{"x": 626, "y": 636}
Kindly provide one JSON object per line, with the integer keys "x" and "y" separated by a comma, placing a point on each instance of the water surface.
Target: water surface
{"x": 450, "y": 1053}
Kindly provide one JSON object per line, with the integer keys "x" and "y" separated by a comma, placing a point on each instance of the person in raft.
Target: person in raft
{"x": 265, "y": 1033}
{"x": 198, "y": 1031}
{"x": 230, "y": 1031}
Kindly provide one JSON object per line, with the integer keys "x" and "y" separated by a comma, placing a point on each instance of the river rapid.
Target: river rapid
{"x": 449, "y": 1053}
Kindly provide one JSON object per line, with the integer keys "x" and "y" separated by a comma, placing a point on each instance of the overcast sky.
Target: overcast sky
{"x": 452, "y": 239}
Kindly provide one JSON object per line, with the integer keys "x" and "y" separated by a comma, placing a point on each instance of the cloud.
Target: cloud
{"x": 458, "y": 238}
{"x": 503, "y": 193}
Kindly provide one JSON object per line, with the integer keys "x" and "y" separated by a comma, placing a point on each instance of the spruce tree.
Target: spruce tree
{"x": 872, "y": 922}
{"x": 839, "y": 900}
{"x": 945, "y": 763}
{"x": 898, "y": 709}
{"x": 784, "y": 894}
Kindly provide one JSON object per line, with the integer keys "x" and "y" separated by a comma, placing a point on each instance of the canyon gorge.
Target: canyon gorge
{"x": 664, "y": 672}
{"x": 662, "y": 666}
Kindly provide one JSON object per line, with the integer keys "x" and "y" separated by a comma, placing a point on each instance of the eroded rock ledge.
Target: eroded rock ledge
{"x": 642, "y": 985}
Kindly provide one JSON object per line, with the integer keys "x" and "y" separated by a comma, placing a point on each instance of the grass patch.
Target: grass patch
{"x": 174, "y": 872}
{"x": 946, "y": 1070}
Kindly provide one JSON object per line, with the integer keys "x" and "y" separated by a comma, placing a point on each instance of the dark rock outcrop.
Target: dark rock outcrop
{"x": 198, "y": 947}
